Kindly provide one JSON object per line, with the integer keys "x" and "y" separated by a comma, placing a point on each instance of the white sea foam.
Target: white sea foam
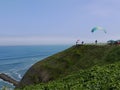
{"x": 1, "y": 80}
{"x": 15, "y": 64}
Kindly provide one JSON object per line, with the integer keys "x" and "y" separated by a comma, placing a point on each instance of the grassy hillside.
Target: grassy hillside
{"x": 71, "y": 60}
{"x": 97, "y": 78}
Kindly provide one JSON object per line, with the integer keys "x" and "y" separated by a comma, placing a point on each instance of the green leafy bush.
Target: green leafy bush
{"x": 97, "y": 78}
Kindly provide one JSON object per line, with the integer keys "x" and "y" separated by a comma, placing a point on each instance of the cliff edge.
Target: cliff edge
{"x": 68, "y": 61}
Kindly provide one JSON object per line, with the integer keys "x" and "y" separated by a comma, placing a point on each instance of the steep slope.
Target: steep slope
{"x": 71, "y": 60}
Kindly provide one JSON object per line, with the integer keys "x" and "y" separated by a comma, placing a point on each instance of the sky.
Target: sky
{"x": 41, "y": 22}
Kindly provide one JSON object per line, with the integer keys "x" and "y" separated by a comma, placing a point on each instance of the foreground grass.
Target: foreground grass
{"x": 97, "y": 78}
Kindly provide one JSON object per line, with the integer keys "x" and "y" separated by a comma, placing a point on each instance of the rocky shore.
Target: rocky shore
{"x": 8, "y": 79}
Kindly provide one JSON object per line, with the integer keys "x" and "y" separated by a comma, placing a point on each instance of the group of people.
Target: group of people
{"x": 77, "y": 42}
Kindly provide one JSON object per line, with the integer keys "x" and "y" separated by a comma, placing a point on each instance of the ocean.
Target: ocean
{"x": 16, "y": 60}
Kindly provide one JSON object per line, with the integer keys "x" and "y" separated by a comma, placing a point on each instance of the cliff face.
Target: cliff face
{"x": 71, "y": 60}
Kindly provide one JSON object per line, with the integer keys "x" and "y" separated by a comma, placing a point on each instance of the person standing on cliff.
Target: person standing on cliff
{"x": 77, "y": 42}
{"x": 96, "y": 41}
{"x": 82, "y": 42}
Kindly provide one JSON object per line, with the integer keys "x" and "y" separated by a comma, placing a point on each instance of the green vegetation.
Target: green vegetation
{"x": 79, "y": 62}
{"x": 97, "y": 78}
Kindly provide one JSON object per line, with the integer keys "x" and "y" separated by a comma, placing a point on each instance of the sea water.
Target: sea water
{"x": 16, "y": 60}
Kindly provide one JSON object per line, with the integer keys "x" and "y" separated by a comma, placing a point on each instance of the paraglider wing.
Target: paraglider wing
{"x": 98, "y": 28}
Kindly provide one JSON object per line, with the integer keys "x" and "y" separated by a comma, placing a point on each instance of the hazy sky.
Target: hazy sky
{"x": 24, "y": 22}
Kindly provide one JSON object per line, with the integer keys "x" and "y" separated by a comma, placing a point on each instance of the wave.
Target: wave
{"x": 16, "y": 70}
{"x": 11, "y": 64}
{"x": 11, "y": 58}
{"x": 16, "y": 75}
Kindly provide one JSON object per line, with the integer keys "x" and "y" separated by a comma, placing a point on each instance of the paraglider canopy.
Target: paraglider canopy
{"x": 98, "y": 28}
